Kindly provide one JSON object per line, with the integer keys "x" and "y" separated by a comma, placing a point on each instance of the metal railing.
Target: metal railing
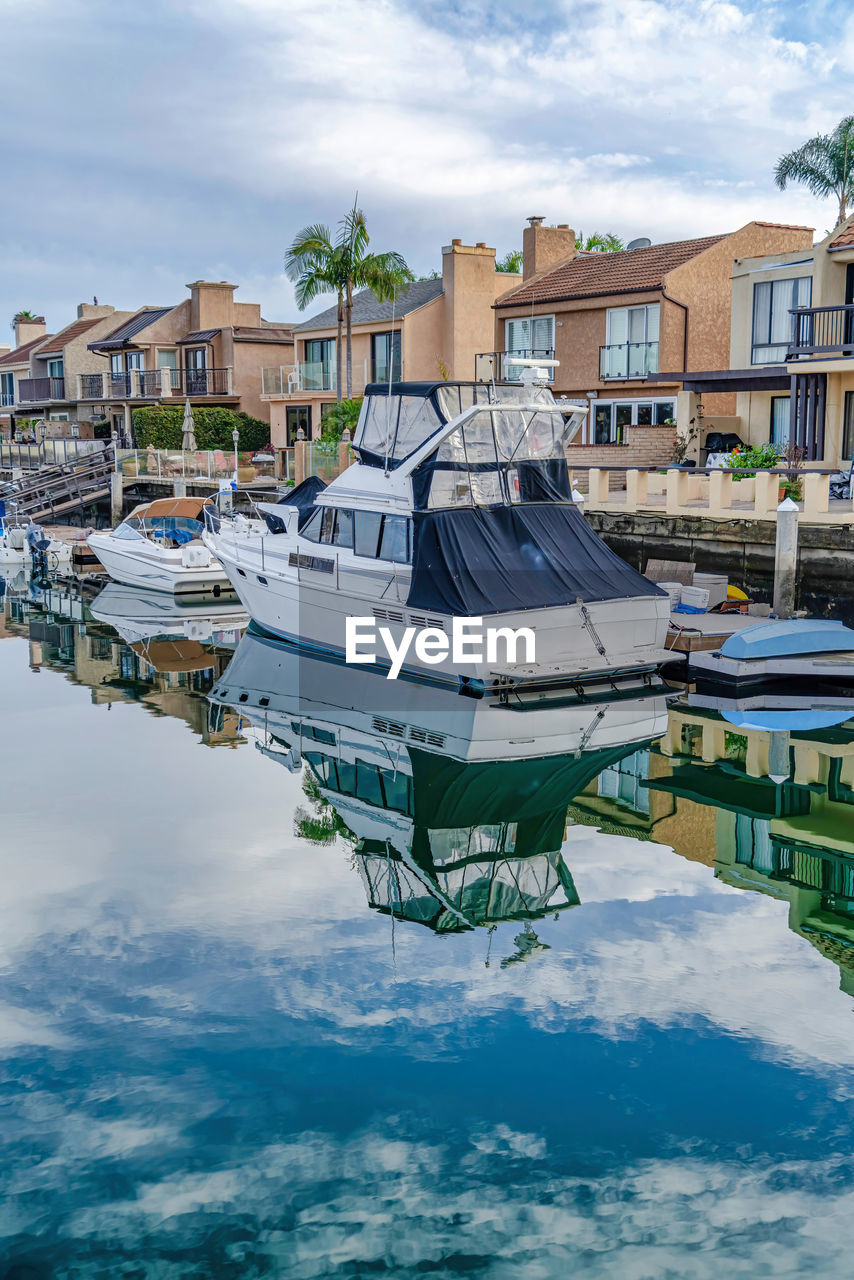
{"x": 7, "y": 399}
{"x": 35, "y": 390}
{"x": 624, "y": 360}
{"x": 498, "y": 366}
{"x": 819, "y": 329}
{"x": 199, "y": 464}
{"x": 296, "y": 379}
{"x": 31, "y": 457}
{"x": 152, "y": 384}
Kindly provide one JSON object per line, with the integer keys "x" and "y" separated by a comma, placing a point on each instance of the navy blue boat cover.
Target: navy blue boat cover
{"x": 302, "y": 497}
{"x": 534, "y": 555}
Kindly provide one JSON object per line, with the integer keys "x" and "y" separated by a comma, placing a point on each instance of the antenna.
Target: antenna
{"x": 390, "y": 375}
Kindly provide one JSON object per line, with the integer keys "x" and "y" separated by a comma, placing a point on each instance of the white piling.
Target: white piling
{"x": 786, "y": 559}
{"x": 116, "y": 497}
{"x": 778, "y": 756}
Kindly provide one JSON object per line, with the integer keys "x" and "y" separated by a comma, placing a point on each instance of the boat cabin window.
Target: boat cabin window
{"x": 500, "y": 457}
{"x": 368, "y": 533}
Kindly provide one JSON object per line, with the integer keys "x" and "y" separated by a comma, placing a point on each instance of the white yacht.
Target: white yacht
{"x": 159, "y": 546}
{"x": 459, "y": 507}
{"x": 139, "y": 614}
{"x": 22, "y": 541}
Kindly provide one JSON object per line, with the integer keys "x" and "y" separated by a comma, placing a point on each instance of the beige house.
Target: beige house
{"x": 434, "y": 330}
{"x": 209, "y": 349}
{"x": 617, "y": 322}
{"x": 791, "y": 364}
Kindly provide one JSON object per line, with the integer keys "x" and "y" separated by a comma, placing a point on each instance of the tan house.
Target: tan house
{"x": 15, "y": 365}
{"x": 614, "y": 321}
{"x": 434, "y": 330}
{"x": 209, "y": 349}
{"x": 791, "y": 362}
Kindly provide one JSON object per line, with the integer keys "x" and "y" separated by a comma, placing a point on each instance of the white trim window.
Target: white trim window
{"x": 528, "y": 337}
{"x": 7, "y": 390}
{"x": 609, "y": 419}
{"x": 631, "y": 342}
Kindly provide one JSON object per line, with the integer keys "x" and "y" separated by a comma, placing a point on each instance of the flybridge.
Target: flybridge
{"x": 397, "y": 419}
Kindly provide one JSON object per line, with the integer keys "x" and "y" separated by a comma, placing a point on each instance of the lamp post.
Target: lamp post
{"x": 235, "y": 435}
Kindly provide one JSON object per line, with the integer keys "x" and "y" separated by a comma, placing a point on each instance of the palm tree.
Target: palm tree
{"x": 823, "y": 165}
{"x": 599, "y": 242}
{"x": 318, "y": 264}
{"x": 511, "y": 262}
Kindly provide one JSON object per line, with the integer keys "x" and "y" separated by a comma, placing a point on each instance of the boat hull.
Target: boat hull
{"x": 572, "y": 642}
{"x": 156, "y": 571}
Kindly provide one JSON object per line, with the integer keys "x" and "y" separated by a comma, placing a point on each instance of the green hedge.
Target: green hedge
{"x": 163, "y": 427}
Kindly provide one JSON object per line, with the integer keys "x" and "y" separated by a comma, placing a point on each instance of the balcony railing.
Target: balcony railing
{"x": 37, "y": 390}
{"x": 7, "y": 399}
{"x": 499, "y": 366}
{"x": 621, "y": 361}
{"x": 154, "y": 384}
{"x": 296, "y": 379}
{"x": 816, "y": 330}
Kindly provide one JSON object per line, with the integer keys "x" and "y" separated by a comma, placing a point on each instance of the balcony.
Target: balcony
{"x": 154, "y": 384}
{"x": 40, "y": 390}
{"x": 7, "y": 399}
{"x": 822, "y": 330}
{"x": 498, "y": 366}
{"x": 298, "y": 379}
{"x": 622, "y": 361}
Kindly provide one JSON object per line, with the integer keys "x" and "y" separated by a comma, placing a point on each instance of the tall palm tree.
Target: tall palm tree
{"x": 599, "y": 242}
{"x": 824, "y": 165}
{"x": 318, "y": 264}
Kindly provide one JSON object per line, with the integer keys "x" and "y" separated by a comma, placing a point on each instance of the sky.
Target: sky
{"x": 147, "y": 145}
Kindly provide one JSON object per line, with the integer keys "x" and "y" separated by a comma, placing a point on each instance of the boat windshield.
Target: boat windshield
{"x": 500, "y": 456}
{"x": 395, "y": 422}
{"x": 177, "y": 529}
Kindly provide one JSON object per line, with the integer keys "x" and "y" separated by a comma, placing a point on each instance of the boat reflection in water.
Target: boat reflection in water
{"x": 456, "y": 807}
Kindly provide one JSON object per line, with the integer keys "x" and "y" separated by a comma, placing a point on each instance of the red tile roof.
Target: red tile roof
{"x": 844, "y": 240}
{"x": 784, "y": 226}
{"x": 67, "y": 335}
{"x": 596, "y": 274}
{"x": 21, "y": 355}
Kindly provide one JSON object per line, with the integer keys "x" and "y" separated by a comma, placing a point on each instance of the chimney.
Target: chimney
{"x": 544, "y": 247}
{"x": 211, "y": 304}
{"x": 468, "y": 285}
{"x": 93, "y": 310}
{"x": 28, "y": 330}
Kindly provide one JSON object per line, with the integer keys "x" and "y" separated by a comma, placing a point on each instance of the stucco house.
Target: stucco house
{"x": 432, "y": 331}
{"x": 209, "y": 349}
{"x": 616, "y": 320}
{"x": 791, "y": 365}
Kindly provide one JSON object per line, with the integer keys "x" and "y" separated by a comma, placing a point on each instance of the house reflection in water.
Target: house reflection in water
{"x": 168, "y": 674}
{"x": 770, "y": 810}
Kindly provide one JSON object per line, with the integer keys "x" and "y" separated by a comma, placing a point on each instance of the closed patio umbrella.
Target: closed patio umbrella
{"x": 189, "y": 442}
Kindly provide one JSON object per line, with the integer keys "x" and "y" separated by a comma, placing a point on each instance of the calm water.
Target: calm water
{"x": 280, "y": 998}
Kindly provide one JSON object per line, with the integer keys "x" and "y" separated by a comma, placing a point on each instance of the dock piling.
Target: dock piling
{"x": 786, "y": 558}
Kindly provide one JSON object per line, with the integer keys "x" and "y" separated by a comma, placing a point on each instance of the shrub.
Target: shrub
{"x": 760, "y": 456}
{"x": 338, "y": 416}
{"x": 162, "y": 426}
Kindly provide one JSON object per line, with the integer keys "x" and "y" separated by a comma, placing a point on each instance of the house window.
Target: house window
{"x": 385, "y": 356}
{"x": 135, "y": 360}
{"x": 7, "y": 389}
{"x": 612, "y": 417}
{"x": 54, "y": 368}
{"x": 318, "y": 370}
{"x": 631, "y": 342}
{"x": 116, "y": 363}
{"x": 167, "y": 359}
{"x": 772, "y": 324}
{"x": 529, "y": 338}
{"x": 848, "y": 427}
{"x": 780, "y": 412}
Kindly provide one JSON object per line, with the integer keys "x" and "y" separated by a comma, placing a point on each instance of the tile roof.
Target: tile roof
{"x": 367, "y": 310}
{"x": 68, "y": 334}
{"x": 596, "y": 274}
{"x": 267, "y": 333}
{"x": 784, "y": 226}
{"x": 121, "y": 336}
{"x": 844, "y": 240}
{"x": 21, "y": 355}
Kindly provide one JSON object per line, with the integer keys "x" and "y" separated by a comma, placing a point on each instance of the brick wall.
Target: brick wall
{"x": 642, "y": 447}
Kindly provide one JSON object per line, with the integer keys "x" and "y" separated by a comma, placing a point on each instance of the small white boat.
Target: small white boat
{"x": 21, "y": 540}
{"x": 159, "y": 546}
{"x": 460, "y": 508}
